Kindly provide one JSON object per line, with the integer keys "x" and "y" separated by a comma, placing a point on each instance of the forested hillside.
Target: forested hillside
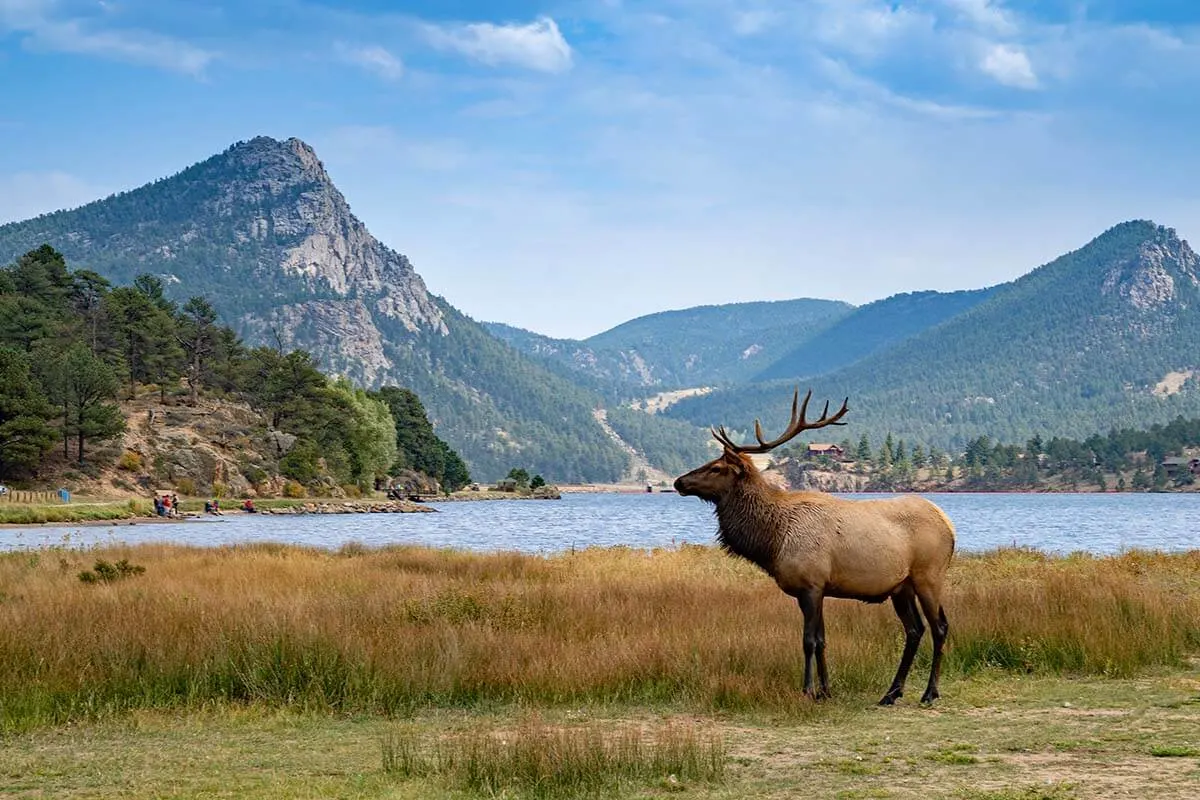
{"x": 1102, "y": 337}
{"x": 262, "y": 232}
{"x": 73, "y": 347}
{"x": 871, "y": 328}
{"x": 720, "y": 345}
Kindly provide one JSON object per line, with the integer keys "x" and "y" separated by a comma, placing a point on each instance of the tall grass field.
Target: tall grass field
{"x": 397, "y": 630}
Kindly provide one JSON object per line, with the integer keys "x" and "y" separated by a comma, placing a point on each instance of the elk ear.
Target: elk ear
{"x": 734, "y": 460}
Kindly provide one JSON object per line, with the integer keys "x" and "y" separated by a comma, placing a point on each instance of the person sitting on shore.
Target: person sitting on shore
{"x": 248, "y": 506}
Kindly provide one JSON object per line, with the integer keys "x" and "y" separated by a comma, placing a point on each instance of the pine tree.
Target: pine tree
{"x": 863, "y": 454}
{"x": 918, "y": 456}
{"x": 198, "y": 337}
{"x": 25, "y": 432}
{"x": 887, "y": 454}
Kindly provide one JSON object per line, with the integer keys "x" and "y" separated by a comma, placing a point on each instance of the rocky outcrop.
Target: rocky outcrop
{"x": 1147, "y": 280}
{"x": 341, "y": 334}
{"x": 208, "y": 449}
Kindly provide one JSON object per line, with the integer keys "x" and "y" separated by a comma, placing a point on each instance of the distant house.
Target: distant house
{"x": 1180, "y": 464}
{"x": 817, "y": 449}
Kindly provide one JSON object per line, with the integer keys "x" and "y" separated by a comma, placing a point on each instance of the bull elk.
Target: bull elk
{"x": 816, "y": 546}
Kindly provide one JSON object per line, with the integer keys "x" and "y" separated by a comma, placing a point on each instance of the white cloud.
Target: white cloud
{"x": 867, "y": 28}
{"x": 43, "y": 31}
{"x": 1009, "y": 65}
{"x": 536, "y": 45}
{"x": 372, "y": 58}
{"x": 986, "y": 15}
{"x": 858, "y": 88}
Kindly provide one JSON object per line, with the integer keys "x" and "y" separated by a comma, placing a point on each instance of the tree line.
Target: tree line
{"x": 987, "y": 464}
{"x": 72, "y": 346}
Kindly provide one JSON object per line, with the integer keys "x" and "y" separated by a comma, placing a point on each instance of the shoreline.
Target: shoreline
{"x": 373, "y": 506}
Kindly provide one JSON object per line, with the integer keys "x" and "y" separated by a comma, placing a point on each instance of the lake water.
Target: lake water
{"x": 1054, "y": 523}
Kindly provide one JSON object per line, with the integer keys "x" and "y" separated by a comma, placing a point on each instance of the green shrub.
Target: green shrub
{"x": 106, "y": 572}
{"x": 130, "y": 461}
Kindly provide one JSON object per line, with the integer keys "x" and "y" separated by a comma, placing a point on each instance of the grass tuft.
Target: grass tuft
{"x": 538, "y": 761}
{"x": 1175, "y": 751}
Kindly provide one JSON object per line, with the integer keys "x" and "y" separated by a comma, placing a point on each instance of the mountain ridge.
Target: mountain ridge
{"x": 261, "y": 230}
{"x": 715, "y": 343}
{"x": 1073, "y": 347}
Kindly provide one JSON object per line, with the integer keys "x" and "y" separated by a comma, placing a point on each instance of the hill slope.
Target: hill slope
{"x": 721, "y": 344}
{"x": 261, "y": 231}
{"x": 1077, "y": 346}
{"x": 871, "y": 328}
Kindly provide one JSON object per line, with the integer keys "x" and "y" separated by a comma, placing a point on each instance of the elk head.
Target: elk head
{"x": 713, "y": 480}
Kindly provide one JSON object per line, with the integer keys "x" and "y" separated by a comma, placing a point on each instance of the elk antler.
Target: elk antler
{"x": 796, "y": 426}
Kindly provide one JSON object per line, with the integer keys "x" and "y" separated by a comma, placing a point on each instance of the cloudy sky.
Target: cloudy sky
{"x": 565, "y": 166}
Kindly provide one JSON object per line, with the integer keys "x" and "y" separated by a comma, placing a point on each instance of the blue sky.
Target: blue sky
{"x": 565, "y": 166}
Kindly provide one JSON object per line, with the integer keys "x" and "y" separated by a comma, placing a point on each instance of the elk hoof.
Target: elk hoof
{"x": 817, "y": 694}
{"x": 929, "y": 696}
{"x": 890, "y": 698}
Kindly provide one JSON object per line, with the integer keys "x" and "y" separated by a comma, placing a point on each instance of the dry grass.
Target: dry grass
{"x": 400, "y": 629}
{"x": 538, "y": 760}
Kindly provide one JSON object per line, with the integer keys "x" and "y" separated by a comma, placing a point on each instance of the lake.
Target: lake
{"x": 1053, "y": 523}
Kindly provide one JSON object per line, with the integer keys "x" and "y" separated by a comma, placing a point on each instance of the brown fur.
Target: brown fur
{"x": 816, "y": 545}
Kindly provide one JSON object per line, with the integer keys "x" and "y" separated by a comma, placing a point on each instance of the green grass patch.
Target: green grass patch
{"x": 21, "y": 514}
{"x": 1175, "y": 751}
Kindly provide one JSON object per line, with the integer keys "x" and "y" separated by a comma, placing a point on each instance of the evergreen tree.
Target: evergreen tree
{"x": 88, "y": 290}
{"x": 83, "y": 386}
{"x": 1141, "y": 481}
{"x": 198, "y": 337}
{"x": 25, "y": 431}
{"x": 417, "y": 445}
{"x": 863, "y": 454}
{"x": 918, "y": 456}
{"x": 887, "y": 453}
{"x": 456, "y": 474}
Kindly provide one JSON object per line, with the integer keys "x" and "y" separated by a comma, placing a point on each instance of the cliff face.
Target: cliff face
{"x": 332, "y": 252}
{"x": 263, "y": 233}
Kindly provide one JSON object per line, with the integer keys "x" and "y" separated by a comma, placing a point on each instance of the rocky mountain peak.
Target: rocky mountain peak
{"x": 278, "y": 192}
{"x": 1150, "y": 275}
{"x": 269, "y": 166}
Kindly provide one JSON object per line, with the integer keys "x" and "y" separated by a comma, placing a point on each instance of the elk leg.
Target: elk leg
{"x": 905, "y": 603}
{"x": 810, "y": 604}
{"x": 935, "y": 615}
{"x": 822, "y": 670}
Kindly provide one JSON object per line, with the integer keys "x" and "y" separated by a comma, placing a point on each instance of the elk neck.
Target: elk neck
{"x": 751, "y": 521}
